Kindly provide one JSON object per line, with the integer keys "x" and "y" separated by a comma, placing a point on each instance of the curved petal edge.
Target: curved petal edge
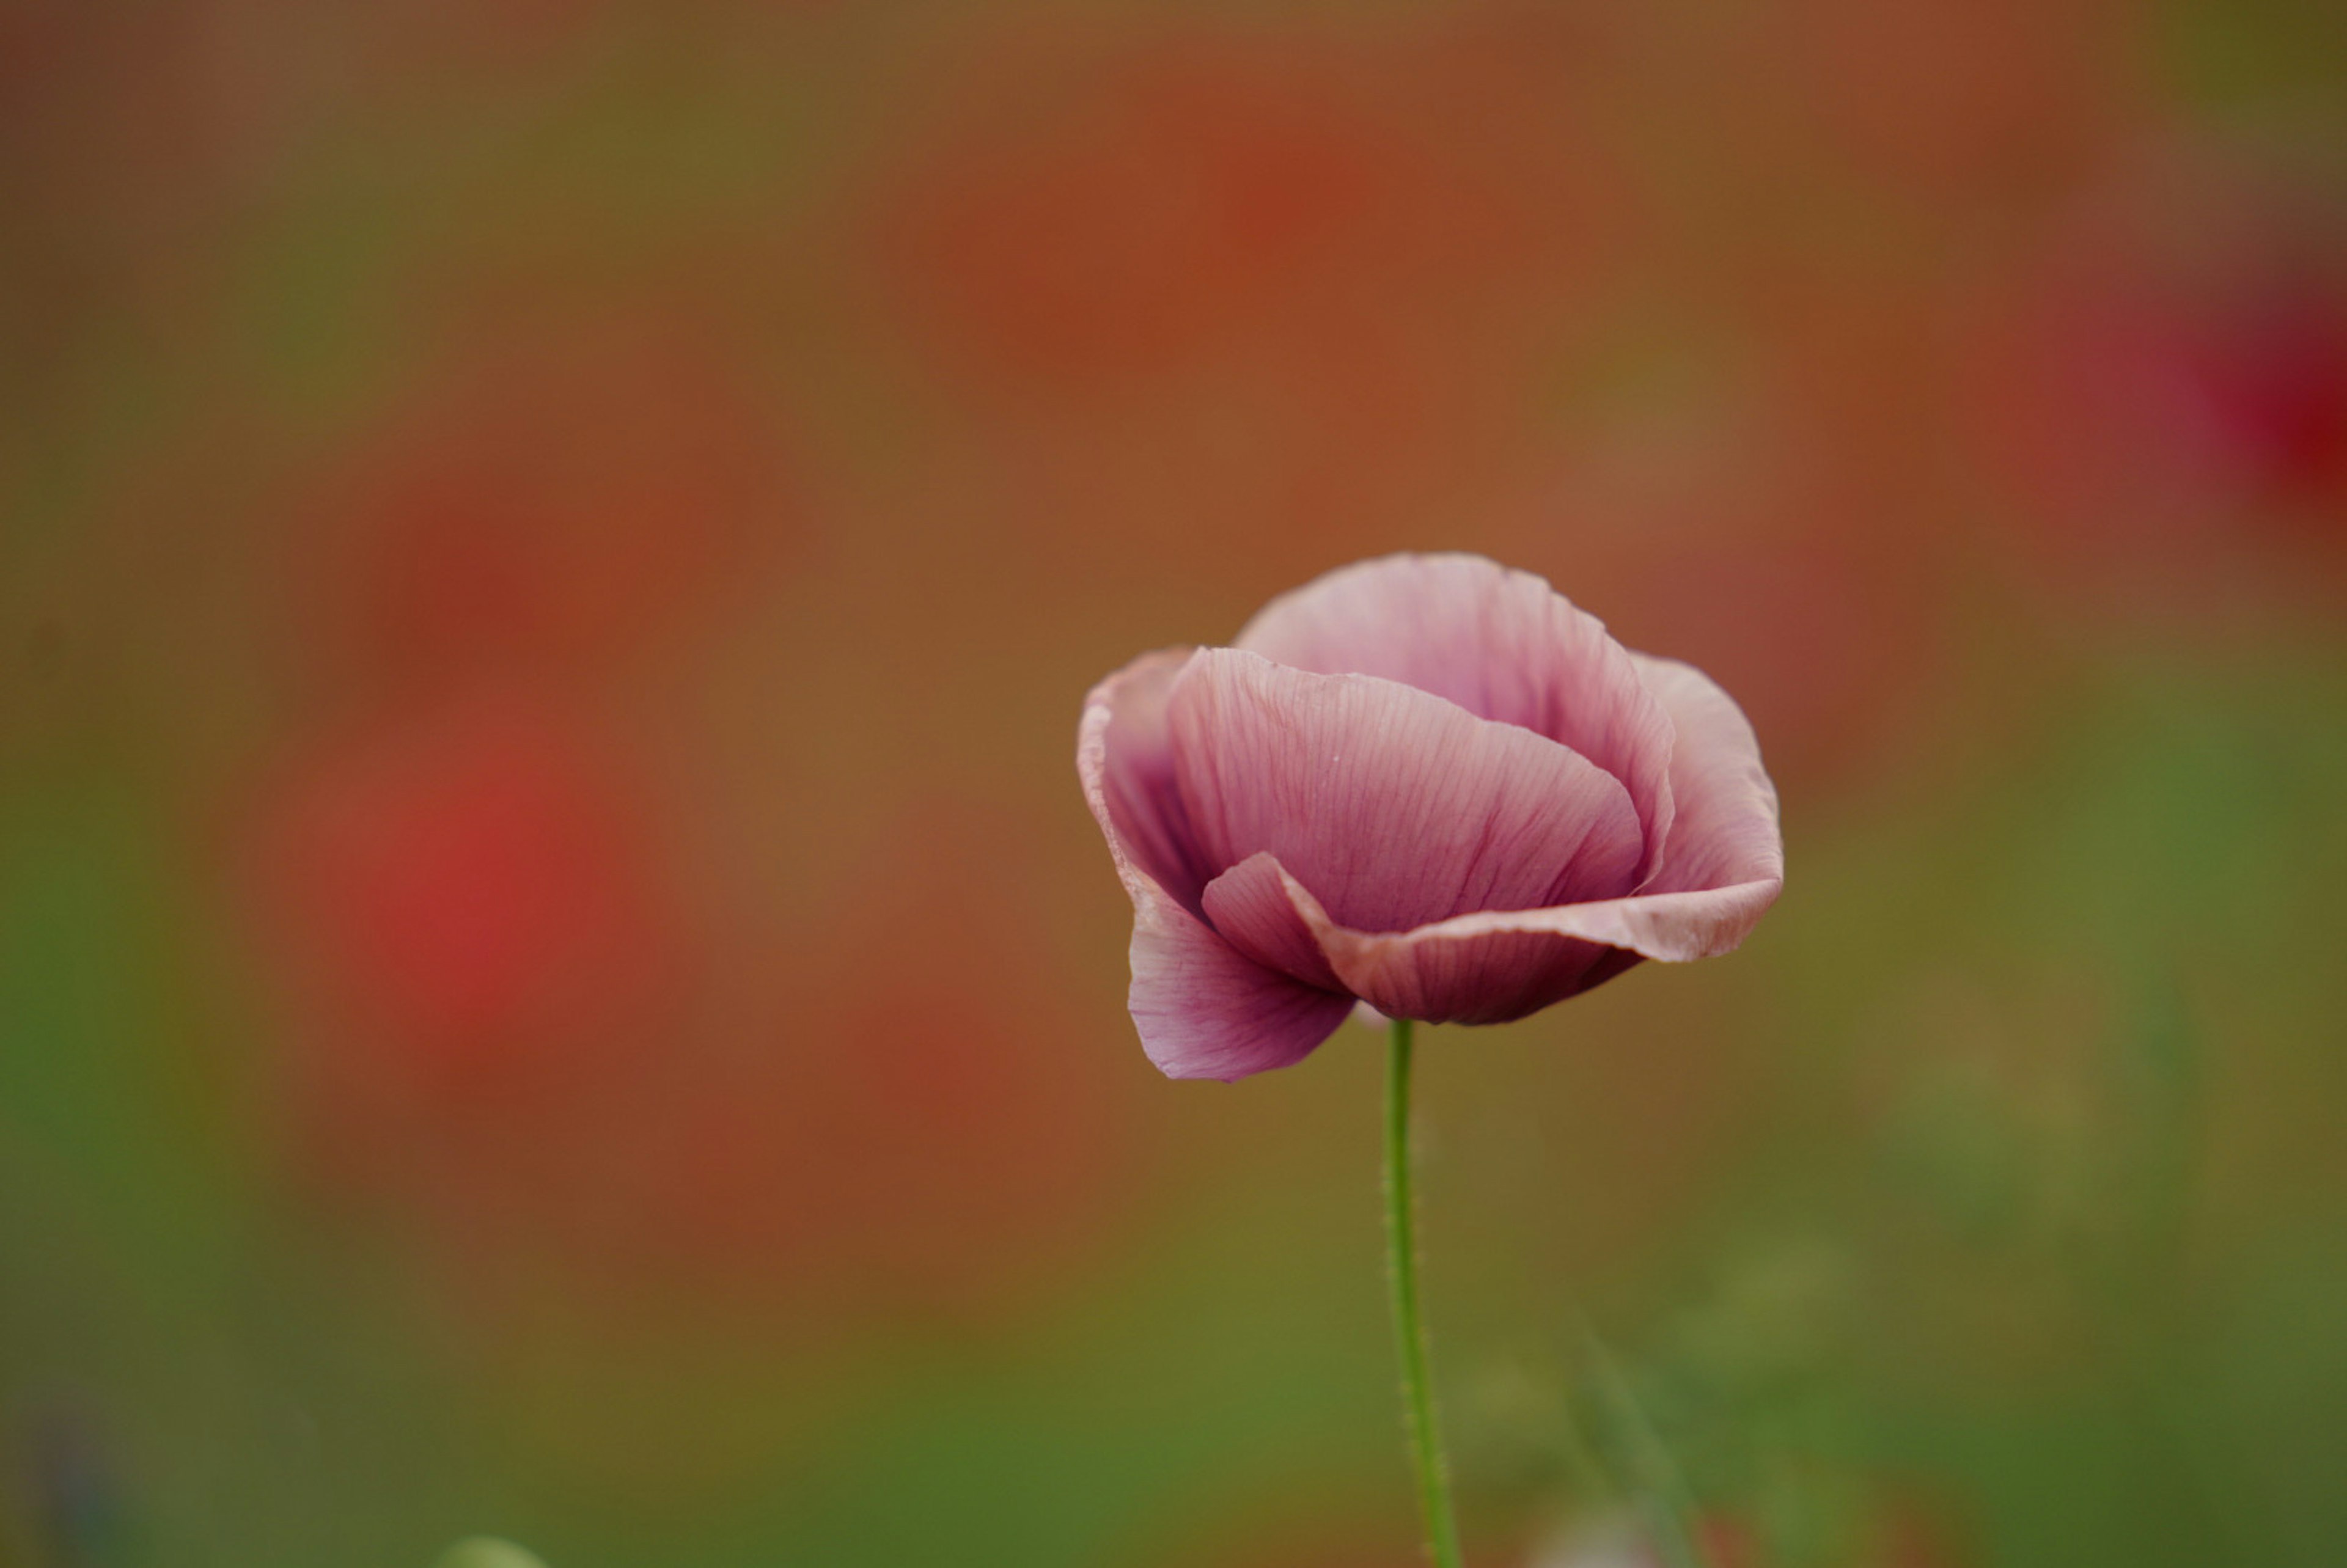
{"x": 1500, "y": 642}
{"x": 1203, "y": 1008}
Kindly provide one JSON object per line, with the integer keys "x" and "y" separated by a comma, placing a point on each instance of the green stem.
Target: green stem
{"x": 1410, "y": 1329}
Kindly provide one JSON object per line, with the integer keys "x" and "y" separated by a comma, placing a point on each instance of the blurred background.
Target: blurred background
{"x": 554, "y": 976}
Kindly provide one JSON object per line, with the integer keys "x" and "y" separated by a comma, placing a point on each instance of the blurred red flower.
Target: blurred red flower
{"x": 2164, "y": 397}
{"x": 472, "y": 891}
{"x": 510, "y": 1045}
{"x": 1140, "y": 215}
{"x": 923, "y": 1139}
{"x": 1221, "y": 285}
{"x": 546, "y": 499}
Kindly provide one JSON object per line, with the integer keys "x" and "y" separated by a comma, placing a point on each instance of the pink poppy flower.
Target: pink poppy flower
{"x": 1425, "y": 782}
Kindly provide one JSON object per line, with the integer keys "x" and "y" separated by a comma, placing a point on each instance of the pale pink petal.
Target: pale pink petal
{"x": 1500, "y": 644}
{"x": 1726, "y": 832}
{"x": 1496, "y": 979}
{"x": 1723, "y": 866}
{"x": 1204, "y": 1011}
{"x": 1395, "y": 808}
{"x": 1128, "y": 774}
{"x": 1271, "y": 916}
{"x": 1252, "y": 906}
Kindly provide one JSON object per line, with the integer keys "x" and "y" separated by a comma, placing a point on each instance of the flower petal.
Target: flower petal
{"x": 1125, "y": 757}
{"x": 1203, "y": 1008}
{"x": 1494, "y": 979}
{"x": 1395, "y": 807}
{"x": 1254, "y": 908}
{"x": 1272, "y": 918}
{"x": 1501, "y": 644}
{"x": 1206, "y": 1011}
{"x": 1727, "y": 831}
{"x": 1723, "y": 866}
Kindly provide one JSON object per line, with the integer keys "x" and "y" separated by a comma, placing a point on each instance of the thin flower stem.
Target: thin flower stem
{"x": 1409, "y": 1328}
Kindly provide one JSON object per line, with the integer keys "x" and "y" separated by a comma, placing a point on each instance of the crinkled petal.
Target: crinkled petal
{"x": 1126, "y": 759}
{"x": 1203, "y": 1008}
{"x": 1206, "y": 1011}
{"x": 1252, "y": 906}
{"x": 1726, "y": 832}
{"x": 1496, "y": 979}
{"x": 1395, "y": 807}
{"x": 1271, "y": 917}
{"x": 1725, "y": 866}
{"x": 1501, "y": 644}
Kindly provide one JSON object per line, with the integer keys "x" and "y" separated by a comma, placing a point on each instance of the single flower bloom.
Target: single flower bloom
{"x": 1426, "y": 783}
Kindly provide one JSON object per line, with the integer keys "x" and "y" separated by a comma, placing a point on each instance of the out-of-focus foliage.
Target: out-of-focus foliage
{"x": 554, "y": 979}
{"x": 487, "y": 1552}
